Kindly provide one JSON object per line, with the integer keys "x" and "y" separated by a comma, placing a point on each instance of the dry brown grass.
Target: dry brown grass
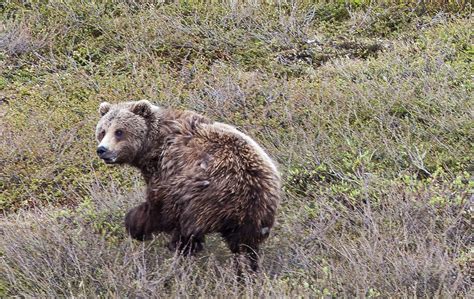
{"x": 402, "y": 244}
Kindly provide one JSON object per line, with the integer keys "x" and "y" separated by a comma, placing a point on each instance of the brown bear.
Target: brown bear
{"x": 201, "y": 177}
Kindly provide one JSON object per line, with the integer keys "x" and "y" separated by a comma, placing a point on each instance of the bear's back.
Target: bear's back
{"x": 253, "y": 150}
{"x": 194, "y": 143}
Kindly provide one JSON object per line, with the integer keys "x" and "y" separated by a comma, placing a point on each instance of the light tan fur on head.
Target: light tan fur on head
{"x": 122, "y": 129}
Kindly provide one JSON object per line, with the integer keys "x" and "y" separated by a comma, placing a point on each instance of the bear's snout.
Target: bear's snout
{"x": 101, "y": 151}
{"x": 105, "y": 154}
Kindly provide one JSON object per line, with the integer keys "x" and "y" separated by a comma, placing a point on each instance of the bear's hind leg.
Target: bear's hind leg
{"x": 245, "y": 253}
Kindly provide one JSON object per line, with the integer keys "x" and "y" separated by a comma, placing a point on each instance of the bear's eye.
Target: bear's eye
{"x": 101, "y": 135}
{"x": 119, "y": 133}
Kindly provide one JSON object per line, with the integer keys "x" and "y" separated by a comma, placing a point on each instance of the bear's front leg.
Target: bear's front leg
{"x": 138, "y": 222}
{"x": 185, "y": 245}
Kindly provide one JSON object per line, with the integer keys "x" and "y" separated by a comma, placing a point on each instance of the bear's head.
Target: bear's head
{"x": 122, "y": 130}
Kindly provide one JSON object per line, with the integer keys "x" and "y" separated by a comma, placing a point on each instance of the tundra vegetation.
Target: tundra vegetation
{"x": 367, "y": 108}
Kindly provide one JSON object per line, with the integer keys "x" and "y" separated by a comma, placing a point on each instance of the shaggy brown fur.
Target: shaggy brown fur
{"x": 201, "y": 177}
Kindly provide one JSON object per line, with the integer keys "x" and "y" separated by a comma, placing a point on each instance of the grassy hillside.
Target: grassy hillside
{"x": 367, "y": 109}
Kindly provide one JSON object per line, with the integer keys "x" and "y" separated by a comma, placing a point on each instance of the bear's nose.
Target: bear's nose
{"x": 101, "y": 150}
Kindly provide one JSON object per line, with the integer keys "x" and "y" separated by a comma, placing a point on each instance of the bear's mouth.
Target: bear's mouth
{"x": 110, "y": 160}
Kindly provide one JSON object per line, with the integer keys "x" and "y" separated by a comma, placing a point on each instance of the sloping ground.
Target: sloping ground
{"x": 368, "y": 111}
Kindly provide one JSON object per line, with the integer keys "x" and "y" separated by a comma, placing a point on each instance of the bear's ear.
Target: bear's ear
{"x": 104, "y": 107}
{"x": 142, "y": 108}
